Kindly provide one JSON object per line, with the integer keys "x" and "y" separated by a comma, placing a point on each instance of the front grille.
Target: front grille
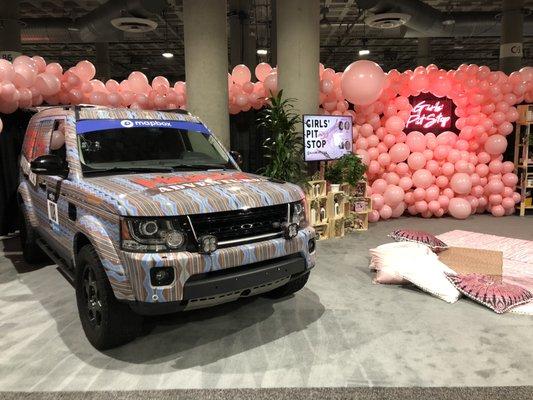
{"x": 240, "y": 224}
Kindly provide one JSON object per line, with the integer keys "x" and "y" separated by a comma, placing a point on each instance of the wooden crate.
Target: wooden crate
{"x": 316, "y": 189}
{"x": 336, "y": 202}
{"x": 322, "y": 231}
{"x": 318, "y": 210}
{"x": 359, "y": 190}
{"x": 336, "y": 227}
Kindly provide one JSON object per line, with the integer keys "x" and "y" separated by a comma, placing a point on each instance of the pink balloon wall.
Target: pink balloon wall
{"x": 419, "y": 173}
{"x": 457, "y": 173}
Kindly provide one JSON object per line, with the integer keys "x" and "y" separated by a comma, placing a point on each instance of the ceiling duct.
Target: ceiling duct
{"x": 94, "y": 26}
{"x": 427, "y": 21}
{"x": 387, "y": 20}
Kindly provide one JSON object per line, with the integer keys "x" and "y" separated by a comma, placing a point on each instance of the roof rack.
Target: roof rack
{"x": 63, "y": 107}
{"x": 177, "y": 111}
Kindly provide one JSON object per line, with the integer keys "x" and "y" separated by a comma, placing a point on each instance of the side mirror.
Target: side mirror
{"x": 237, "y": 157}
{"x": 49, "y": 164}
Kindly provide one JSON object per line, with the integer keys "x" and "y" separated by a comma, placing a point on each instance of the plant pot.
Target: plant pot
{"x": 335, "y": 187}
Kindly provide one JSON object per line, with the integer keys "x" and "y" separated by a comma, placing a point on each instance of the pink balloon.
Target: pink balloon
{"x": 271, "y": 82}
{"x": 421, "y": 206}
{"x": 262, "y": 70}
{"x": 379, "y": 186}
{"x": 416, "y": 161}
{"x": 432, "y": 193}
{"x": 461, "y": 183}
{"x": 459, "y": 208}
{"x": 58, "y": 140}
{"x": 7, "y": 73}
{"x": 495, "y": 166}
{"x": 416, "y": 141}
{"x": 405, "y": 183}
{"x": 85, "y": 70}
{"x": 495, "y": 186}
{"x": 423, "y": 178}
{"x": 47, "y": 84}
{"x": 362, "y": 82}
{"x": 497, "y": 211}
{"x": 138, "y": 82}
{"x": 377, "y": 201}
{"x": 384, "y": 159}
{"x": 496, "y": 144}
{"x": 373, "y": 216}
{"x": 508, "y": 202}
{"x": 399, "y": 152}
{"x": 510, "y": 179}
{"x": 393, "y": 195}
{"x": 394, "y": 124}
{"x": 241, "y": 74}
{"x": 385, "y": 212}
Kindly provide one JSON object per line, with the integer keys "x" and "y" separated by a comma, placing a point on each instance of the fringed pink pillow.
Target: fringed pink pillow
{"x": 408, "y": 235}
{"x": 499, "y": 297}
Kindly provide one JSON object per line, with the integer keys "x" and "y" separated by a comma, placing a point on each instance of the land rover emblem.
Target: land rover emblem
{"x": 247, "y": 226}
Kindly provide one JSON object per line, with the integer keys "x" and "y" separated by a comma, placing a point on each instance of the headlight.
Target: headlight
{"x": 152, "y": 235}
{"x": 298, "y": 214}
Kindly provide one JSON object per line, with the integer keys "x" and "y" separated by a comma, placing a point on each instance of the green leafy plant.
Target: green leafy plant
{"x": 353, "y": 168}
{"x": 334, "y": 173}
{"x": 349, "y": 168}
{"x": 284, "y": 146}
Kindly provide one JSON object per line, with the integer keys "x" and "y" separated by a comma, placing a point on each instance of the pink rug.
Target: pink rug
{"x": 517, "y": 253}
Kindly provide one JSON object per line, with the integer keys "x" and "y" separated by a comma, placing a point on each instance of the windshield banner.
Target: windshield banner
{"x": 93, "y": 125}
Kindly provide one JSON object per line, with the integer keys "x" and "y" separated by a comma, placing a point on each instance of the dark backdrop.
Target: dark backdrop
{"x": 10, "y": 144}
{"x": 247, "y": 139}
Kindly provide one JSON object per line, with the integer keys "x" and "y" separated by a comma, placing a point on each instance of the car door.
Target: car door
{"x": 52, "y": 204}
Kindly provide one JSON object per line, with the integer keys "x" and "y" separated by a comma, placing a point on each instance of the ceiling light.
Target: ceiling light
{"x": 262, "y": 52}
{"x": 73, "y": 29}
{"x": 167, "y": 54}
{"x": 364, "y": 52}
{"x": 448, "y": 22}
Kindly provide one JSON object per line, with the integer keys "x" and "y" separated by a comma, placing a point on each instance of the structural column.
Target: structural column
{"x": 206, "y": 63}
{"x": 10, "y": 44}
{"x": 512, "y": 27}
{"x": 423, "y": 52}
{"x": 103, "y": 64}
{"x": 298, "y": 52}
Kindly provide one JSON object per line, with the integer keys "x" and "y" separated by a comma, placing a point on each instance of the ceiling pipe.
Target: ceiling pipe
{"x": 94, "y": 26}
{"x": 427, "y": 21}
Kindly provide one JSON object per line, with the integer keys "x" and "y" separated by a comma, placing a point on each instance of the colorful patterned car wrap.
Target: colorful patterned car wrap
{"x": 100, "y": 202}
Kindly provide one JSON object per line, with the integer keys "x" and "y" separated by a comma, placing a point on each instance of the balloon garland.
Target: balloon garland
{"x": 457, "y": 173}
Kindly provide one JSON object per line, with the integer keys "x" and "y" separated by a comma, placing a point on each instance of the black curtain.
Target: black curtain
{"x": 11, "y": 139}
{"x": 247, "y": 138}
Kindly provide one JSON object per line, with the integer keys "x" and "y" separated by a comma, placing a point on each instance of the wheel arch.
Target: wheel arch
{"x": 92, "y": 232}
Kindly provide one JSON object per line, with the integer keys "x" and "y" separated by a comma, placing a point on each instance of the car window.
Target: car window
{"x": 29, "y": 139}
{"x": 42, "y": 140}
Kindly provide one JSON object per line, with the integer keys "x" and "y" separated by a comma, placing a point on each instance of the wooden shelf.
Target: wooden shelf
{"x": 522, "y": 155}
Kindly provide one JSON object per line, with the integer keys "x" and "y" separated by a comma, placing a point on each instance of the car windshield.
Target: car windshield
{"x": 139, "y": 149}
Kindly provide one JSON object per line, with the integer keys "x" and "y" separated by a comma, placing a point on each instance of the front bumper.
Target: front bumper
{"x": 189, "y": 267}
{"x": 207, "y": 290}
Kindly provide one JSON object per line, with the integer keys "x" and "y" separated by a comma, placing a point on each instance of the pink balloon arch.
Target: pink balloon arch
{"x": 413, "y": 167}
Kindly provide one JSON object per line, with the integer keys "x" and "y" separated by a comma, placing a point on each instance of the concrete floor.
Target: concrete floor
{"x": 339, "y": 331}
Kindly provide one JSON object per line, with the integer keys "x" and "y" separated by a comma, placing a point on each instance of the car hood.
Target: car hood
{"x": 170, "y": 194}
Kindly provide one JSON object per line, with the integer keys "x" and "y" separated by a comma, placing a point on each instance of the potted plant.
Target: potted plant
{"x": 334, "y": 175}
{"x": 353, "y": 168}
{"x": 349, "y": 168}
{"x": 284, "y": 146}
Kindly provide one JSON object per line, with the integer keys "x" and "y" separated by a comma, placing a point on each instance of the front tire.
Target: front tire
{"x": 31, "y": 252}
{"x": 289, "y": 288}
{"x": 107, "y": 323}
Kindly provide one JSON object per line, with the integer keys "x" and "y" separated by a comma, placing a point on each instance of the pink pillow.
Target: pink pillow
{"x": 408, "y": 235}
{"x": 499, "y": 297}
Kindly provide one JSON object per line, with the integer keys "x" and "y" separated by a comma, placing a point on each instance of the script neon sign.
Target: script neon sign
{"x": 429, "y": 114}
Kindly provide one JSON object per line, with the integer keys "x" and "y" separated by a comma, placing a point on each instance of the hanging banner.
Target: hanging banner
{"x": 326, "y": 137}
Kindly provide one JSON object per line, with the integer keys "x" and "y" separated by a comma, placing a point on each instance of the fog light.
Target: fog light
{"x": 311, "y": 245}
{"x": 161, "y": 276}
{"x": 207, "y": 244}
{"x": 290, "y": 230}
{"x": 174, "y": 239}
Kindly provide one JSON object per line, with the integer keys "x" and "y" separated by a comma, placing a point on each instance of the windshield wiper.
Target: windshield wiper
{"x": 199, "y": 166}
{"x": 129, "y": 169}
